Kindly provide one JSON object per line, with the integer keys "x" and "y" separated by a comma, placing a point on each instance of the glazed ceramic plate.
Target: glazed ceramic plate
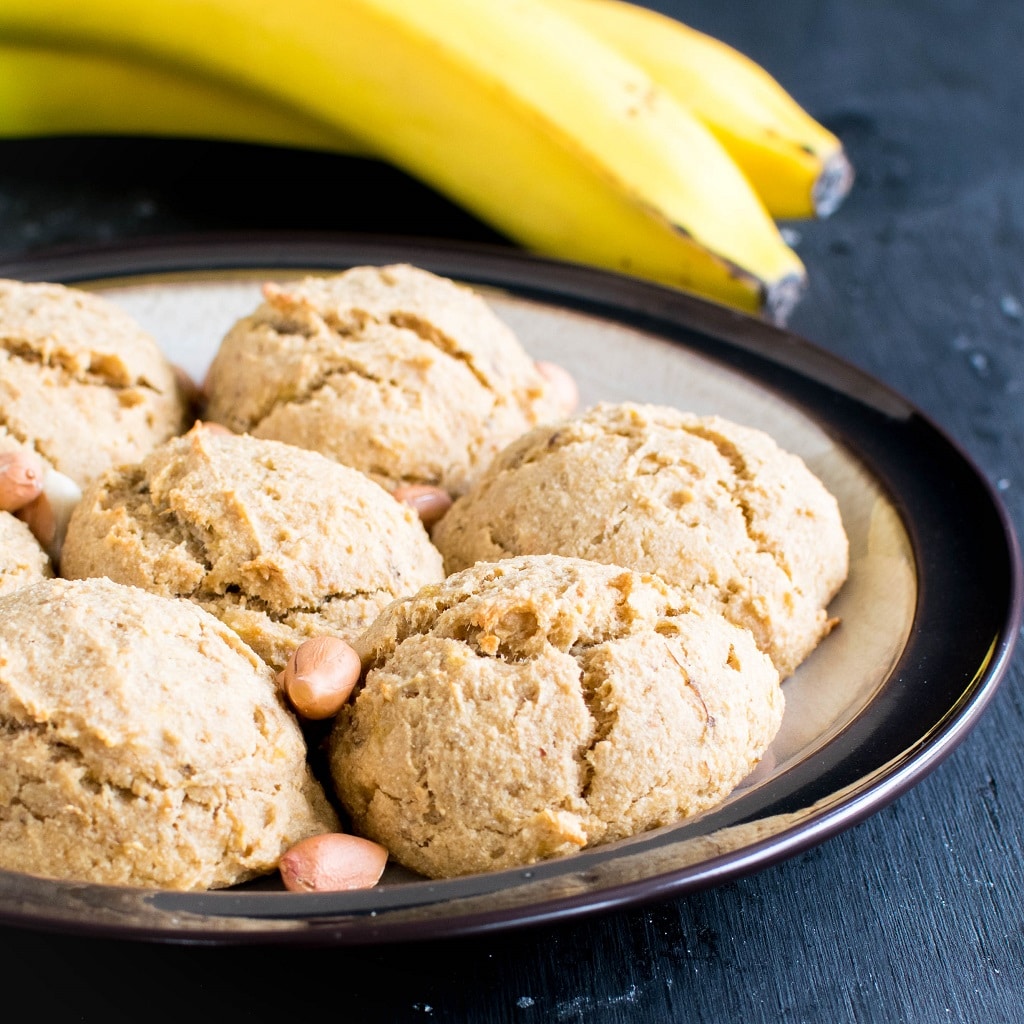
{"x": 927, "y": 617}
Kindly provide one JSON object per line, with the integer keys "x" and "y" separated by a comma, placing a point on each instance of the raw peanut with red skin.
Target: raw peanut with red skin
{"x": 562, "y": 384}
{"x": 213, "y": 428}
{"x": 320, "y": 675}
{"x": 39, "y": 518}
{"x": 21, "y": 479}
{"x": 332, "y": 862}
{"x": 427, "y": 501}
{"x": 48, "y": 513}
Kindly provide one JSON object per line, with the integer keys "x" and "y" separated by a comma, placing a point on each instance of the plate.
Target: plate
{"x": 928, "y": 616}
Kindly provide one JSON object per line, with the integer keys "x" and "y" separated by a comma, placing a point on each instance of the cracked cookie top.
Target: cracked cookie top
{"x": 278, "y": 542}
{"x": 143, "y": 744}
{"x": 80, "y": 381}
{"x": 714, "y": 507}
{"x": 404, "y": 375}
{"x": 532, "y": 707}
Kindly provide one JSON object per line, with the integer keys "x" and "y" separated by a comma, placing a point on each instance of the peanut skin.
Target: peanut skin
{"x": 320, "y": 676}
{"x": 211, "y": 427}
{"x": 562, "y": 384}
{"x": 38, "y": 515}
{"x": 332, "y": 862}
{"x": 21, "y": 479}
{"x": 428, "y": 502}
{"x": 48, "y": 513}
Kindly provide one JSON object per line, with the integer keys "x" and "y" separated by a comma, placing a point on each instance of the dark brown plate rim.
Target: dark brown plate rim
{"x": 966, "y": 622}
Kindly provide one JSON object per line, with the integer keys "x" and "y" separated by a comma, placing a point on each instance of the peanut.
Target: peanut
{"x": 210, "y": 427}
{"x": 21, "y": 478}
{"x": 38, "y": 516}
{"x": 48, "y": 514}
{"x": 562, "y": 384}
{"x": 428, "y": 502}
{"x": 331, "y": 862}
{"x": 319, "y": 677}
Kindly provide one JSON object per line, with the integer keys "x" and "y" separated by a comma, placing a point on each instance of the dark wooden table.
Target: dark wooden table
{"x": 914, "y": 915}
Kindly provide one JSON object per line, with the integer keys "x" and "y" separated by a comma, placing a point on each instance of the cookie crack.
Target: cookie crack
{"x": 568, "y": 437}
{"x": 38, "y": 445}
{"x": 277, "y": 615}
{"x": 744, "y": 476}
{"x": 315, "y": 386}
{"x": 100, "y": 372}
{"x": 12, "y": 432}
{"x": 409, "y": 321}
{"x": 595, "y": 690}
{"x": 12, "y": 727}
{"x": 709, "y": 719}
{"x": 531, "y": 455}
{"x": 299, "y": 315}
{"x": 65, "y": 752}
{"x": 426, "y": 331}
{"x": 185, "y": 533}
{"x": 611, "y": 527}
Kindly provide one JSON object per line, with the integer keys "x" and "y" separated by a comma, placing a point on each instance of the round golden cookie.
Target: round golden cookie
{"x": 532, "y": 707}
{"x": 714, "y": 507}
{"x": 142, "y": 744}
{"x": 22, "y": 559}
{"x": 278, "y": 542}
{"x": 404, "y": 375}
{"x": 80, "y": 381}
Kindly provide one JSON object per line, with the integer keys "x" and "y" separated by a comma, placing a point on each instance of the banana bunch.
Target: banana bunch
{"x": 595, "y": 131}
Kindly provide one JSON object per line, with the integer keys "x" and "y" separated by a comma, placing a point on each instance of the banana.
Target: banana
{"x": 46, "y": 91}
{"x": 797, "y": 166}
{"x": 510, "y": 108}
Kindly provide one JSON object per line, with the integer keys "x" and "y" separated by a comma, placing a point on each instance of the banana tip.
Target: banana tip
{"x": 833, "y": 184}
{"x": 781, "y": 297}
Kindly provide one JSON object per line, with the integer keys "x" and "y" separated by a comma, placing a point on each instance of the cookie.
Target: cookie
{"x": 278, "y": 542}
{"x": 143, "y": 744}
{"x": 402, "y": 374}
{"x": 22, "y": 559}
{"x": 81, "y": 382}
{"x": 712, "y": 506}
{"x": 537, "y": 706}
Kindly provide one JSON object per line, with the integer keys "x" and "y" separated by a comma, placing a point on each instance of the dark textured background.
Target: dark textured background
{"x": 915, "y": 915}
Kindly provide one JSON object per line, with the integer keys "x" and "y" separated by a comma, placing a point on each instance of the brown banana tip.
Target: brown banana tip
{"x": 782, "y": 297}
{"x": 833, "y": 184}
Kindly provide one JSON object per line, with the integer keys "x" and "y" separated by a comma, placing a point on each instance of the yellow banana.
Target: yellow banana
{"x": 508, "y": 107}
{"x": 45, "y": 91}
{"x": 797, "y": 166}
